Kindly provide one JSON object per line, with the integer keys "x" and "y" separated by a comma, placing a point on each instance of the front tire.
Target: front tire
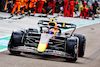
{"x": 75, "y": 55}
{"x": 15, "y": 52}
{"x": 72, "y": 49}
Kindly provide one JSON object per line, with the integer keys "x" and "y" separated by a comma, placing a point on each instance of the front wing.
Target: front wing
{"x": 46, "y": 52}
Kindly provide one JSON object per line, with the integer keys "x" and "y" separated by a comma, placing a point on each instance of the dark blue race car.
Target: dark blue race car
{"x": 49, "y": 40}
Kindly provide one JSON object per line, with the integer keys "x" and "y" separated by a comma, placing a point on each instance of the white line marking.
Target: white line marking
{"x": 3, "y": 50}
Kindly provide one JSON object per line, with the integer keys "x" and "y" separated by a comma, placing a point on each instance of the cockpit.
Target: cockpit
{"x": 52, "y": 23}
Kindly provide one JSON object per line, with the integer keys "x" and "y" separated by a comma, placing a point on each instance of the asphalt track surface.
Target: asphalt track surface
{"x": 90, "y": 59}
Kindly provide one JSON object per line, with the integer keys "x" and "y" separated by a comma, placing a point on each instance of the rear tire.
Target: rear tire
{"x": 82, "y": 44}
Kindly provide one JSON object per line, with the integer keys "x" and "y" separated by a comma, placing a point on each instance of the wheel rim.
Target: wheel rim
{"x": 76, "y": 51}
{"x": 83, "y": 47}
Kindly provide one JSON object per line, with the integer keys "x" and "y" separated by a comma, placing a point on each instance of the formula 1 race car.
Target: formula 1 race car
{"x": 49, "y": 40}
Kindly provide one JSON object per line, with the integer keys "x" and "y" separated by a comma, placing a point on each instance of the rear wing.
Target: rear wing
{"x": 59, "y": 24}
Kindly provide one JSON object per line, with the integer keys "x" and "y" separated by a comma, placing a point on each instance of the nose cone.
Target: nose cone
{"x": 43, "y": 44}
{"x": 41, "y": 47}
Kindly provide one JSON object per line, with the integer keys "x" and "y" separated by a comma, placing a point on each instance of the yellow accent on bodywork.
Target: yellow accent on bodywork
{"x": 45, "y": 31}
{"x": 61, "y": 52}
{"x": 41, "y": 47}
{"x": 63, "y": 24}
{"x": 53, "y": 19}
{"x": 54, "y": 32}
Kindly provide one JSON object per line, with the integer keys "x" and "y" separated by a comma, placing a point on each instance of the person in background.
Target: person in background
{"x": 65, "y": 8}
{"x": 71, "y": 7}
{"x": 32, "y": 6}
{"x": 9, "y": 6}
{"x": 51, "y": 4}
{"x": 94, "y": 8}
{"x": 81, "y": 9}
{"x": 40, "y": 5}
{"x": 24, "y": 5}
{"x": 58, "y": 5}
{"x": 85, "y": 12}
{"x": 16, "y": 6}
